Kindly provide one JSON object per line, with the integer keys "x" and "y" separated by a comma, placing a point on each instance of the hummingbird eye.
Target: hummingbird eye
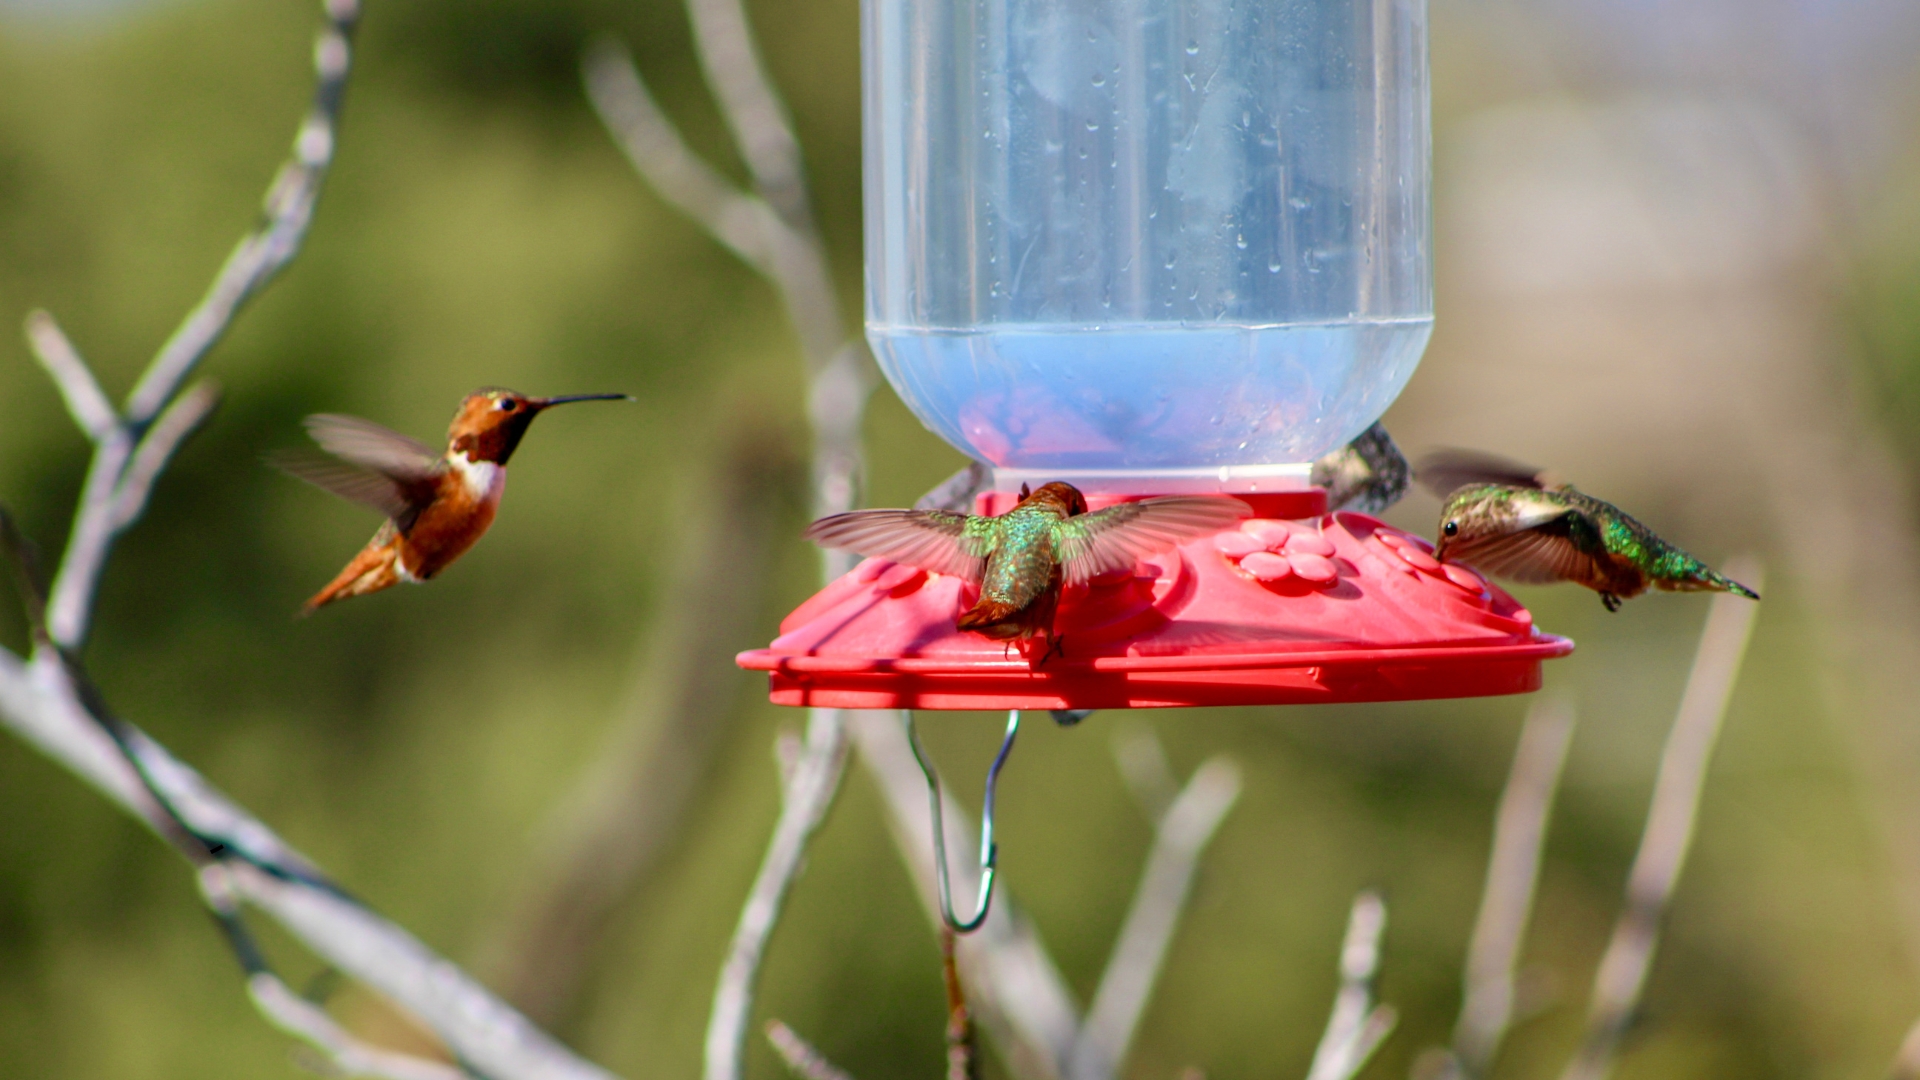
{"x": 1452, "y": 528}
{"x": 507, "y": 405}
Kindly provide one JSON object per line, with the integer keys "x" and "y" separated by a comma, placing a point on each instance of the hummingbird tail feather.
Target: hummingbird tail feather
{"x": 987, "y": 614}
{"x": 370, "y": 571}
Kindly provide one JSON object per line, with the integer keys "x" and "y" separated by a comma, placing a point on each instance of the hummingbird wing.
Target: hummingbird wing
{"x": 1444, "y": 472}
{"x": 1122, "y": 534}
{"x": 371, "y": 446}
{"x": 936, "y": 540}
{"x": 377, "y": 468}
{"x": 1554, "y": 550}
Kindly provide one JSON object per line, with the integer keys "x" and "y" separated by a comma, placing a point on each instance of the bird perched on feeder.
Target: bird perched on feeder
{"x": 1514, "y": 521}
{"x": 437, "y": 504}
{"x": 1368, "y": 474}
{"x": 1021, "y": 559}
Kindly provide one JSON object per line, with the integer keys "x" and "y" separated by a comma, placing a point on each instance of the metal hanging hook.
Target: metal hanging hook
{"x": 989, "y": 851}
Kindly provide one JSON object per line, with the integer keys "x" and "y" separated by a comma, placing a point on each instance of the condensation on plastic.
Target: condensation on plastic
{"x": 1147, "y": 236}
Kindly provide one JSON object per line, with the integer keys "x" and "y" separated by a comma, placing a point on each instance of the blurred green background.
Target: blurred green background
{"x": 1679, "y": 259}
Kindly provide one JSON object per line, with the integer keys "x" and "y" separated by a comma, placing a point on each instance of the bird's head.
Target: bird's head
{"x": 1062, "y": 495}
{"x": 491, "y": 421}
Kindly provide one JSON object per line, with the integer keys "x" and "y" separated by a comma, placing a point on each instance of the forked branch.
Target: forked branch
{"x": 49, "y": 702}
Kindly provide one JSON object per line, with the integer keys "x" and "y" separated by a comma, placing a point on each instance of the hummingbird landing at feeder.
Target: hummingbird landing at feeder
{"x": 1023, "y": 558}
{"x": 437, "y": 505}
{"x": 1513, "y": 521}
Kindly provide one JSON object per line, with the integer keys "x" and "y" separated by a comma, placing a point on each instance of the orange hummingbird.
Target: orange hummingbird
{"x": 437, "y": 505}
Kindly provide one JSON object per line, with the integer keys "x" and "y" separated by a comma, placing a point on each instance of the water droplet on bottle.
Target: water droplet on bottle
{"x": 1093, "y": 125}
{"x": 1099, "y": 78}
{"x": 1240, "y": 241}
{"x": 1273, "y": 266}
{"x": 1299, "y": 202}
{"x": 1193, "y": 48}
{"x": 1171, "y": 256}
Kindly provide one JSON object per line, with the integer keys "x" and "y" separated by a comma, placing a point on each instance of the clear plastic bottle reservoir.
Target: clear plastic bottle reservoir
{"x": 1147, "y": 237}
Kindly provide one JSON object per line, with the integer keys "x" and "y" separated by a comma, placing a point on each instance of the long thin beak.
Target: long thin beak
{"x": 548, "y": 402}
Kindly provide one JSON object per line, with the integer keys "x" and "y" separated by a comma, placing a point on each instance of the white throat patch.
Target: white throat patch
{"x": 482, "y": 478}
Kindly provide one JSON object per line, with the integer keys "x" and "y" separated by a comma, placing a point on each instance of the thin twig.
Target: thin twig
{"x": 806, "y": 1062}
{"x": 1520, "y": 826}
{"x": 85, "y": 400}
{"x": 723, "y": 40}
{"x": 1356, "y": 1027}
{"x": 773, "y": 233}
{"x": 287, "y": 212}
{"x": 747, "y": 224}
{"x": 816, "y": 778}
{"x": 1180, "y": 835}
{"x": 176, "y": 425}
{"x": 1622, "y": 976}
{"x": 963, "y": 1059}
{"x": 261, "y": 254}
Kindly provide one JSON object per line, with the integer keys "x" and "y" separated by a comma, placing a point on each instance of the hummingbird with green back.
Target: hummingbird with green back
{"x": 1021, "y": 559}
{"x": 1516, "y": 522}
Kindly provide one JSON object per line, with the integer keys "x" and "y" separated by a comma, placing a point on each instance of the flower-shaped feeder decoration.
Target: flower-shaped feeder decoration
{"x": 1291, "y": 607}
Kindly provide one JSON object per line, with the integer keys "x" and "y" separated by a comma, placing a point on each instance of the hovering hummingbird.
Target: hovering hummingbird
{"x": 1022, "y": 558}
{"x": 1368, "y": 474}
{"x": 1517, "y": 522}
{"x": 437, "y": 505}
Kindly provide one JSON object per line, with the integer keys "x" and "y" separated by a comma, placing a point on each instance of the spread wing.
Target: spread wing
{"x": 377, "y": 468}
{"x": 1444, "y": 472}
{"x": 371, "y": 446}
{"x": 935, "y": 540}
{"x": 1536, "y": 556}
{"x": 1122, "y": 534}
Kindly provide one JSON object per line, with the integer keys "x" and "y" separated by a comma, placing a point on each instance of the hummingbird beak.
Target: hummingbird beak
{"x": 548, "y": 402}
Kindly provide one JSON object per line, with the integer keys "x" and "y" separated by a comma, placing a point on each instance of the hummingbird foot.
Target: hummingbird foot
{"x": 1610, "y": 601}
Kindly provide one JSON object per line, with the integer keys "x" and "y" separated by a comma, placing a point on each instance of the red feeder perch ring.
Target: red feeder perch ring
{"x": 1293, "y": 607}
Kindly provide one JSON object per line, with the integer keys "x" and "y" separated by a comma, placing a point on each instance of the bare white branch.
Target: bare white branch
{"x": 255, "y": 260}
{"x": 85, "y": 400}
{"x": 723, "y": 39}
{"x": 1015, "y": 990}
{"x": 261, "y": 254}
{"x": 1520, "y": 826}
{"x": 1356, "y": 1026}
{"x": 745, "y": 224}
{"x": 180, "y": 420}
{"x": 800, "y": 1055}
{"x": 39, "y": 703}
{"x": 343, "y": 1054}
{"x": 816, "y": 778}
{"x": 1669, "y": 830}
{"x": 1180, "y": 835}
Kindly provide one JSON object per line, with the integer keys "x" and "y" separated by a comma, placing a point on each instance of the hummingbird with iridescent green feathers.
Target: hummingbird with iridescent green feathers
{"x": 1023, "y": 558}
{"x": 1517, "y": 522}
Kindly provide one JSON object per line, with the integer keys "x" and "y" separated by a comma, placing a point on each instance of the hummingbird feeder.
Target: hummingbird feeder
{"x": 1155, "y": 247}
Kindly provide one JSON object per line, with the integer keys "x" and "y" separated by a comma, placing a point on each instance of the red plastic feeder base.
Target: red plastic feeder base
{"x": 1293, "y": 607}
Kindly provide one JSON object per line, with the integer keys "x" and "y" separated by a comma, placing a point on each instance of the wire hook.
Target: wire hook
{"x": 989, "y": 851}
